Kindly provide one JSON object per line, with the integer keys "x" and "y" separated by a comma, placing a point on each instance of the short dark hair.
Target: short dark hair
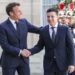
{"x": 10, "y": 6}
{"x": 52, "y": 10}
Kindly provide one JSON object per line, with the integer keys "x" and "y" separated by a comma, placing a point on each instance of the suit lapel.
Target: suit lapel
{"x": 57, "y": 37}
{"x": 48, "y": 35}
{"x": 20, "y": 30}
{"x": 11, "y": 27}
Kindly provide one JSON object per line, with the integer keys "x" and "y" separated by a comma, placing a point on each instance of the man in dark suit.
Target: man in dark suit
{"x": 13, "y": 40}
{"x": 59, "y": 48}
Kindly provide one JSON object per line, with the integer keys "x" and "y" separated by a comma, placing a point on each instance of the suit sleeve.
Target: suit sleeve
{"x": 70, "y": 48}
{"x": 32, "y": 28}
{"x": 38, "y": 47}
{"x": 5, "y": 44}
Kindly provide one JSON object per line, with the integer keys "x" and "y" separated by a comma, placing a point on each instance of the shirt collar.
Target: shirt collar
{"x": 11, "y": 20}
{"x": 56, "y": 25}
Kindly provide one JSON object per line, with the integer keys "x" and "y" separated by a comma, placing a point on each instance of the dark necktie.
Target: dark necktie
{"x": 17, "y": 28}
{"x": 53, "y": 34}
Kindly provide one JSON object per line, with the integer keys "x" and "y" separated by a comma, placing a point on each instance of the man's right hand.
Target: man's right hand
{"x": 25, "y": 53}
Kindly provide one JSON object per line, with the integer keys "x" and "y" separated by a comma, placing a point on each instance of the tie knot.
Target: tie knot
{"x": 16, "y": 22}
{"x": 52, "y": 28}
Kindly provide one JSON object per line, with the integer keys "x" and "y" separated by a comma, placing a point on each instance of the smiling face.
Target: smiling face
{"x": 52, "y": 18}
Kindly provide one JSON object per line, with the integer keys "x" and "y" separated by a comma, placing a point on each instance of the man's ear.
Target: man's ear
{"x": 11, "y": 13}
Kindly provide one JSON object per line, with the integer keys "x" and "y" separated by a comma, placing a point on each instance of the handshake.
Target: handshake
{"x": 25, "y": 53}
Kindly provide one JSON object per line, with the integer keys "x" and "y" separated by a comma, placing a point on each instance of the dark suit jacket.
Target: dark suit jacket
{"x": 11, "y": 43}
{"x": 62, "y": 48}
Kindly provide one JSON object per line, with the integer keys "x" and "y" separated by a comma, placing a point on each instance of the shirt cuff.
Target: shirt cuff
{"x": 20, "y": 52}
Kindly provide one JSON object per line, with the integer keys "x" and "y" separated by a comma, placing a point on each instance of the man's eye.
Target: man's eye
{"x": 52, "y": 16}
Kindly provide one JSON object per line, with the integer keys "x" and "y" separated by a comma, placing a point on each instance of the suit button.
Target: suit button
{"x": 54, "y": 57}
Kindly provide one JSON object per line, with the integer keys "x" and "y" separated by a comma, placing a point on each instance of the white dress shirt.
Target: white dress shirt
{"x": 13, "y": 23}
{"x": 55, "y": 29}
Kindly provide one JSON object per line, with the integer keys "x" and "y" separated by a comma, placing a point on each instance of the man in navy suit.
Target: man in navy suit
{"x": 13, "y": 40}
{"x": 59, "y": 48}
